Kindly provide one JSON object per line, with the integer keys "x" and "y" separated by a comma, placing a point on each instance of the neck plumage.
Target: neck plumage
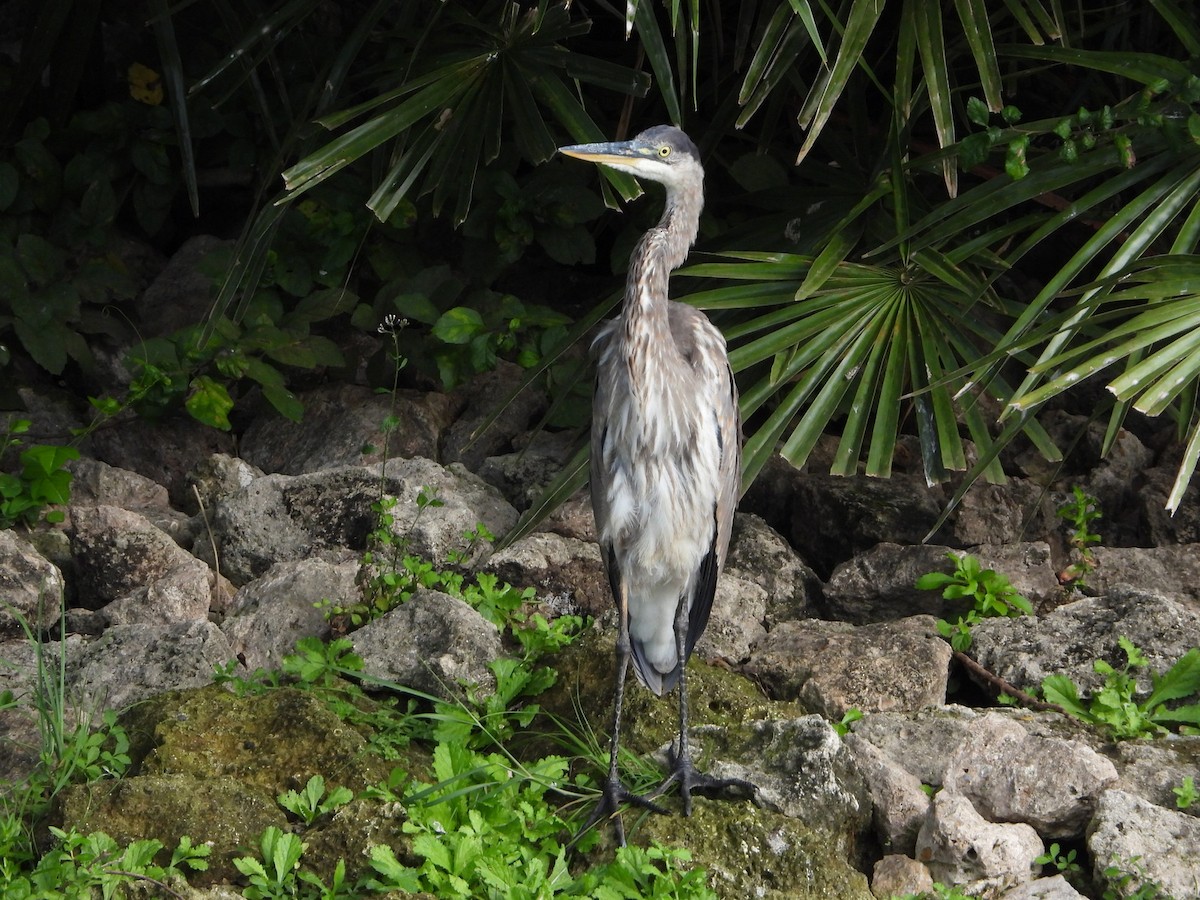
{"x": 659, "y": 251}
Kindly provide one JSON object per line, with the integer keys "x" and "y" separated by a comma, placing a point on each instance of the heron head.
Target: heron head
{"x": 662, "y": 153}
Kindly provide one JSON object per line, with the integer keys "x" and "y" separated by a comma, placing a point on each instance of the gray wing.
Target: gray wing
{"x": 596, "y": 475}
{"x": 726, "y": 419}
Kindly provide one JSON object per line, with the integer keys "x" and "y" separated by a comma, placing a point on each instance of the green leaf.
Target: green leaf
{"x": 46, "y": 342}
{"x": 41, "y": 260}
{"x": 1181, "y": 680}
{"x": 209, "y": 402}
{"x": 977, "y": 112}
{"x": 459, "y": 325}
{"x": 1061, "y": 690}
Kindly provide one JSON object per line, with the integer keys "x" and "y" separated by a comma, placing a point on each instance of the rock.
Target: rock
{"x": 467, "y": 440}
{"x": 1152, "y": 769}
{"x": 163, "y": 450}
{"x": 1010, "y": 775}
{"x": 755, "y": 853}
{"x": 735, "y": 625}
{"x": 1054, "y": 888}
{"x": 833, "y": 667}
{"x": 568, "y": 573}
{"x": 31, "y": 586}
{"x": 433, "y": 643}
{"x": 1160, "y": 527}
{"x": 98, "y": 484}
{"x": 959, "y": 845}
{"x": 136, "y": 572}
{"x": 1149, "y": 844}
{"x": 1003, "y": 514}
{"x": 216, "y": 477}
{"x": 899, "y": 876}
{"x": 921, "y": 741}
{"x": 129, "y": 663}
{"x": 799, "y": 767}
{"x": 182, "y": 292}
{"x": 1172, "y": 571}
{"x": 343, "y": 425}
{"x": 853, "y": 514}
{"x": 270, "y": 742}
{"x": 880, "y": 584}
{"x": 282, "y": 517}
{"x": 524, "y": 474}
{"x": 268, "y": 616}
{"x": 1068, "y": 640}
{"x": 230, "y": 815}
{"x": 758, "y": 553}
{"x": 899, "y": 803}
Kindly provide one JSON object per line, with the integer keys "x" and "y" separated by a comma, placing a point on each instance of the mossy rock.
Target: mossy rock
{"x": 228, "y": 815}
{"x": 751, "y": 852}
{"x": 349, "y": 833}
{"x": 273, "y": 741}
{"x": 581, "y": 699}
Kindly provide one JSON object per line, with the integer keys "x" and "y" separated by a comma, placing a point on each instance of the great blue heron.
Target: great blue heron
{"x": 666, "y": 457}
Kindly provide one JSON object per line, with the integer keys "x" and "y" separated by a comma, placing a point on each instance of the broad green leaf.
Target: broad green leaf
{"x": 459, "y": 325}
{"x": 1061, "y": 691}
{"x": 1180, "y": 681}
{"x": 209, "y": 402}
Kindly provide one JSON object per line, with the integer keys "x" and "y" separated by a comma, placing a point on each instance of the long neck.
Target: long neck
{"x": 660, "y": 250}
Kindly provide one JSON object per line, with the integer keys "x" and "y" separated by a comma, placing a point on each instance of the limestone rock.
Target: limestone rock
{"x": 1054, "y": 888}
{"x": 900, "y": 805}
{"x": 1068, "y": 640}
{"x": 1010, "y": 775}
{"x": 832, "y": 666}
{"x": 799, "y": 767}
{"x": 959, "y": 845}
{"x": 880, "y": 584}
{"x": 135, "y": 571}
{"x": 433, "y": 643}
{"x": 899, "y": 876}
{"x": 1147, "y": 842}
{"x": 270, "y": 614}
{"x": 31, "y": 586}
{"x": 466, "y": 440}
{"x": 568, "y": 573}
{"x": 735, "y": 625}
{"x": 343, "y": 426}
{"x": 1153, "y": 769}
{"x": 129, "y": 663}
{"x": 758, "y": 553}
{"x": 282, "y": 517}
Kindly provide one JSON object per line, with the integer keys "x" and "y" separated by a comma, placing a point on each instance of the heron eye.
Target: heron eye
{"x": 664, "y": 151}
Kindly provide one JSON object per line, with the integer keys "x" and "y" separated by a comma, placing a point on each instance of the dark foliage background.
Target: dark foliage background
{"x": 925, "y": 220}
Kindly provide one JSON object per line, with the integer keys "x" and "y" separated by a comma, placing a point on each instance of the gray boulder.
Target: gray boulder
{"x": 434, "y": 643}
{"x": 1145, "y": 842}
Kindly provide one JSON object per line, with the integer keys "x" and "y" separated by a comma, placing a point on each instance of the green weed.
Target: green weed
{"x": 1185, "y": 794}
{"x": 40, "y": 481}
{"x": 1081, "y": 511}
{"x": 1115, "y": 707}
{"x": 312, "y": 803}
{"x": 989, "y": 592}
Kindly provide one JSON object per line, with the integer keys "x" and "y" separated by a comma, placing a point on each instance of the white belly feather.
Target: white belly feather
{"x": 663, "y": 456}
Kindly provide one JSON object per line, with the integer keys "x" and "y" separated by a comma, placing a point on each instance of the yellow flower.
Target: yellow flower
{"x": 145, "y": 85}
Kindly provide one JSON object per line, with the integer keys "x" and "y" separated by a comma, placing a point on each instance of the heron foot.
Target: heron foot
{"x": 612, "y": 798}
{"x": 692, "y": 781}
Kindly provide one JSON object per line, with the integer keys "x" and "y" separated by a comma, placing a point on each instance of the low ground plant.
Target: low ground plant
{"x": 1116, "y": 708}
{"x": 1080, "y": 512}
{"x": 988, "y": 592}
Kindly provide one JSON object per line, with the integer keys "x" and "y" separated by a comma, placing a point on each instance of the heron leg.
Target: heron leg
{"x": 683, "y": 770}
{"x": 615, "y": 793}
